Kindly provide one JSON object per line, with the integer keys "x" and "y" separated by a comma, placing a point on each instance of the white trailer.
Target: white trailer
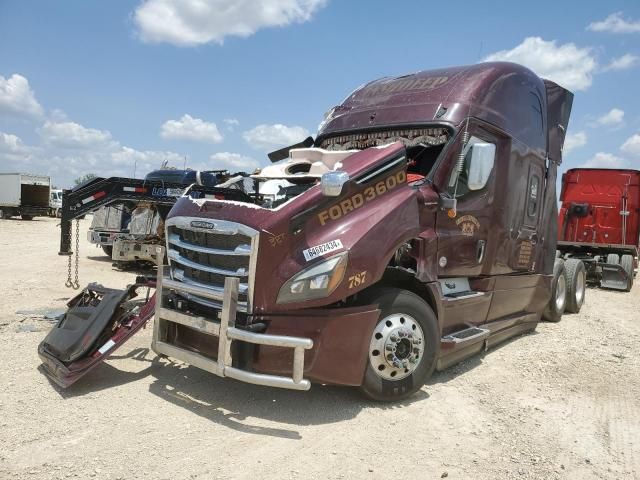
{"x": 24, "y": 194}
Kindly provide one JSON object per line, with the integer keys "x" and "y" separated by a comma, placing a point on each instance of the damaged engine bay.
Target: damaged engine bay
{"x": 286, "y": 179}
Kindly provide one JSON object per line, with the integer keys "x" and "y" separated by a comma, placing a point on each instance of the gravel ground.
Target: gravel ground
{"x": 563, "y": 402}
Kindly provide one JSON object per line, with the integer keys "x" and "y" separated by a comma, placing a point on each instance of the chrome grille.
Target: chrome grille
{"x": 203, "y": 252}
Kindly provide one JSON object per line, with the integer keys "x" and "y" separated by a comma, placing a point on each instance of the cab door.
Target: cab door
{"x": 463, "y": 232}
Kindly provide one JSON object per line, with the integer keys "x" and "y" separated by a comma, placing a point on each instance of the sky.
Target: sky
{"x": 118, "y": 88}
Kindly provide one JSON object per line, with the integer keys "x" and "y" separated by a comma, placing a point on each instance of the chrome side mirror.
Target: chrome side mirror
{"x": 332, "y": 183}
{"x": 480, "y": 165}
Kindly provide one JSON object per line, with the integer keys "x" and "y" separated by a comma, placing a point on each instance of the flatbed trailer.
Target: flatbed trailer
{"x": 599, "y": 223}
{"x": 100, "y": 192}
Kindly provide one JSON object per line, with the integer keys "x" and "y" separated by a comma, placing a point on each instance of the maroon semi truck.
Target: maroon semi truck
{"x": 417, "y": 229}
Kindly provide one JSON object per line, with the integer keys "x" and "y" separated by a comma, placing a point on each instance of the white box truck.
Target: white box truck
{"x": 24, "y": 194}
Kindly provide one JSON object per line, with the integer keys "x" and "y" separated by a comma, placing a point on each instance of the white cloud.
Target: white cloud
{"x": 12, "y": 149}
{"x": 127, "y": 158}
{"x": 71, "y": 150}
{"x": 624, "y": 62}
{"x": 232, "y": 123}
{"x": 73, "y": 135}
{"x": 604, "y": 160}
{"x": 613, "y": 118}
{"x": 632, "y": 146}
{"x": 234, "y": 160}
{"x": 573, "y": 141}
{"x": 189, "y": 128}
{"x": 10, "y": 143}
{"x": 196, "y": 22}
{"x": 568, "y": 65}
{"x": 16, "y": 96}
{"x": 268, "y": 137}
{"x": 615, "y": 23}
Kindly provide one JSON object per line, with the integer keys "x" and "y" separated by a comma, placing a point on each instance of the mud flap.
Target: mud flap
{"x": 613, "y": 276}
{"x": 97, "y": 322}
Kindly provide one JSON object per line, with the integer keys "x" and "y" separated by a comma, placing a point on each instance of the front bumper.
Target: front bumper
{"x": 321, "y": 345}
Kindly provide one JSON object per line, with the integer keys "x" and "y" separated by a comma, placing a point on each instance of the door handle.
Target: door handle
{"x": 480, "y": 248}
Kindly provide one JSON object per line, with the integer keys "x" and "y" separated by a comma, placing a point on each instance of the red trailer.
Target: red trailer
{"x": 599, "y": 222}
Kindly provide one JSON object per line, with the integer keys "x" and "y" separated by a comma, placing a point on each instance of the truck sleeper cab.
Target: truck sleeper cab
{"x": 417, "y": 229}
{"x": 422, "y": 231}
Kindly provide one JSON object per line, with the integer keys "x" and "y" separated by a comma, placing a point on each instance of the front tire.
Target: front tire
{"x": 108, "y": 250}
{"x": 576, "y": 276}
{"x": 27, "y": 217}
{"x": 558, "y": 301}
{"x": 404, "y": 345}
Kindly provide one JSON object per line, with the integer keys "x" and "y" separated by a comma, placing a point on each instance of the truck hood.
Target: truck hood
{"x": 265, "y": 219}
{"x": 372, "y": 214}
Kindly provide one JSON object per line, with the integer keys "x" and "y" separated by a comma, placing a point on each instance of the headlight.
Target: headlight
{"x": 318, "y": 281}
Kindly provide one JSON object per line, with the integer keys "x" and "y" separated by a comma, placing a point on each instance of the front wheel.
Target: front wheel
{"x": 108, "y": 250}
{"x": 403, "y": 346}
{"x": 27, "y": 217}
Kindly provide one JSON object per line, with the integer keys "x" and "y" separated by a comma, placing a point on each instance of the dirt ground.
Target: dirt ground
{"x": 563, "y": 402}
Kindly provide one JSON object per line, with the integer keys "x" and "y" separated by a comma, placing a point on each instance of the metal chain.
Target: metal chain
{"x": 69, "y": 282}
{"x": 76, "y": 284}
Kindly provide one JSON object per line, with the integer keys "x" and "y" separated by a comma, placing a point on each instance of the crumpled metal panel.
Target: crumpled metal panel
{"x": 108, "y": 218}
{"x": 144, "y": 221}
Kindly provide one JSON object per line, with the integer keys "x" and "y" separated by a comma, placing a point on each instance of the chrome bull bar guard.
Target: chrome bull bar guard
{"x": 225, "y": 331}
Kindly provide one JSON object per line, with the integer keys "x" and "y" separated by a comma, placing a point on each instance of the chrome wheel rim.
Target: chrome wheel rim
{"x": 561, "y": 293}
{"x": 396, "y": 347}
{"x": 580, "y": 286}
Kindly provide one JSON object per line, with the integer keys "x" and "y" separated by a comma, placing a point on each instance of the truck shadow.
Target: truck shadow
{"x": 235, "y": 405}
{"x": 99, "y": 258}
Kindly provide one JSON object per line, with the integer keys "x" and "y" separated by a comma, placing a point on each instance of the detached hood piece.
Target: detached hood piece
{"x": 305, "y": 162}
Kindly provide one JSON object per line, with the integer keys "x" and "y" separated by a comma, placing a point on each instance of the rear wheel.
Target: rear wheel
{"x": 558, "y": 301}
{"x": 613, "y": 258}
{"x": 27, "y": 217}
{"x": 403, "y": 346}
{"x": 108, "y": 250}
{"x": 576, "y": 276}
{"x": 627, "y": 264}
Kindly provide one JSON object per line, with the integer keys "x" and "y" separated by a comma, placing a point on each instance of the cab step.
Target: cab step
{"x": 459, "y": 345}
{"x": 467, "y": 335}
{"x": 464, "y": 294}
